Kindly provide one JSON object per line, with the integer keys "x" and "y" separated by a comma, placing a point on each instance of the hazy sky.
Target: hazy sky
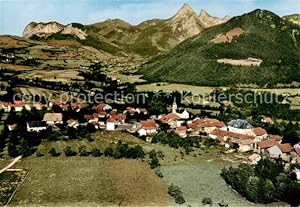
{"x": 16, "y": 14}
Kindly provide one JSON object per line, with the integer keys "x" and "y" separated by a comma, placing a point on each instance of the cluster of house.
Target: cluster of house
{"x": 237, "y": 134}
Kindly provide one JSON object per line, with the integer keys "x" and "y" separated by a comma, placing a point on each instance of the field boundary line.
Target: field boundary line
{"x": 18, "y": 187}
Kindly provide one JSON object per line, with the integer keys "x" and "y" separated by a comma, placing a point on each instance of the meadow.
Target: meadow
{"x": 87, "y": 181}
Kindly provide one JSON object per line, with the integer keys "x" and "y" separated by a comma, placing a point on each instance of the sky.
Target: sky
{"x": 16, "y": 14}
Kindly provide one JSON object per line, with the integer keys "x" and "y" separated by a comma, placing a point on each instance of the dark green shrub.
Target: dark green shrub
{"x": 69, "y": 152}
{"x": 96, "y": 152}
{"x": 176, "y": 193}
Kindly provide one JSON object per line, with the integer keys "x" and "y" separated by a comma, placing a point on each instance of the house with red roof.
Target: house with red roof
{"x": 172, "y": 119}
{"x": 120, "y": 118}
{"x": 254, "y": 158}
{"x": 205, "y": 125}
{"x": 18, "y": 106}
{"x": 181, "y": 131}
{"x": 281, "y": 151}
{"x": 102, "y": 107}
{"x": 265, "y": 144}
{"x": 148, "y": 127}
{"x": 267, "y": 120}
{"x": 244, "y": 142}
{"x": 297, "y": 150}
{"x": 259, "y": 133}
{"x": 72, "y": 123}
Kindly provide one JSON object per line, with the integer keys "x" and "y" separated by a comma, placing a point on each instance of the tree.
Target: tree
{"x": 154, "y": 162}
{"x": 53, "y": 152}
{"x": 291, "y": 137}
{"x": 157, "y": 107}
{"x": 269, "y": 191}
{"x": 269, "y": 169}
{"x": 96, "y": 152}
{"x": 23, "y": 148}
{"x": 136, "y": 152}
{"x": 12, "y": 150}
{"x": 108, "y": 152}
{"x": 176, "y": 193}
{"x": 83, "y": 151}
{"x": 69, "y": 152}
{"x": 252, "y": 189}
{"x": 207, "y": 201}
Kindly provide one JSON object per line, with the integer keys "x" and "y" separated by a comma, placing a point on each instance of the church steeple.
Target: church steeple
{"x": 174, "y": 106}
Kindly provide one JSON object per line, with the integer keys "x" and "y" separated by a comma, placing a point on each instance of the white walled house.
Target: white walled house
{"x": 35, "y": 126}
{"x": 53, "y": 118}
{"x": 147, "y": 128}
{"x": 110, "y": 124}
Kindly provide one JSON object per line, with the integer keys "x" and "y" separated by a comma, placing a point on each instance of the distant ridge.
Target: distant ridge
{"x": 149, "y": 38}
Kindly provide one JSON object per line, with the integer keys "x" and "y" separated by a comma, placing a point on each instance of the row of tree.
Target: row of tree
{"x": 265, "y": 182}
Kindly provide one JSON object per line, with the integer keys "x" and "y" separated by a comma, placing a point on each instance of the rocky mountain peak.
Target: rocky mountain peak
{"x": 203, "y": 13}
{"x": 209, "y": 21}
{"x": 41, "y": 29}
{"x": 44, "y": 30}
{"x": 185, "y": 12}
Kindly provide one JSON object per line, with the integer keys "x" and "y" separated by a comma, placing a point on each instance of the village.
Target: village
{"x": 236, "y": 136}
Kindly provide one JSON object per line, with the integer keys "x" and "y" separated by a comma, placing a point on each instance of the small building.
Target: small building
{"x": 120, "y": 118}
{"x": 240, "y": 126}
{"x": 148, "y": 127}
{"x": 205, "y": 125}
{"x": 102, "y": 107}
{"x": 91, "y": 118}
{"x": 267, "y": 120}
{"x": 38, "y": 106}
{"x": 18, "y": 106}
{"x": 111, "y": 124}
{"x": 259, "y": 133}
{"x": 297, "y": 150}
{"x": 11, "y": 127}
{"x": 254, "y": 158}
{"x": 242, "y": 142}
{"x": 286, "y": 149}
{"x": 172, "y": 119}
{"x": 274, "y": 152}
{"x": 53, "y": 118}
{"x": 265, "y": 144}
{"x": 73, "y": 123}
{"x": 36, "y": 126}
{"x": 181, "y": 131}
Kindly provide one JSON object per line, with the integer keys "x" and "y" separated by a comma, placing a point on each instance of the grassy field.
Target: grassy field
{"x": 202, "y": 180}
{"x": 53, "y": 75}
{"x": 88, "y": 181}
{"x": 169, "y": 87}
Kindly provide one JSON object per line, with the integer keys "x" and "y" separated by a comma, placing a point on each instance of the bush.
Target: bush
{"x": 159, "y": 173}
{"x": 210, "y": 142}
{"x": 53, "y": 152}
{"x": 39, "y": 154}
{"x": 108, "y": 152}
{"x": 83, "y": 151}
{"x": 176, "y": 193}
{"x": 69, "y": 152}
{"x": 136, "y": 152}
{"x": 96, "y": 152}
{"x": 153, "y": 160}
{"x": 207, "y": 201}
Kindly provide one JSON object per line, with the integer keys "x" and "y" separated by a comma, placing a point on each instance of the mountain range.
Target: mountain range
{"x": 115, "y": 36}
{"x": 256, "y": 48}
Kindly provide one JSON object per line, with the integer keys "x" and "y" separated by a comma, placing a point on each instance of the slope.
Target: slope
{"x": 259, "y": 34}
